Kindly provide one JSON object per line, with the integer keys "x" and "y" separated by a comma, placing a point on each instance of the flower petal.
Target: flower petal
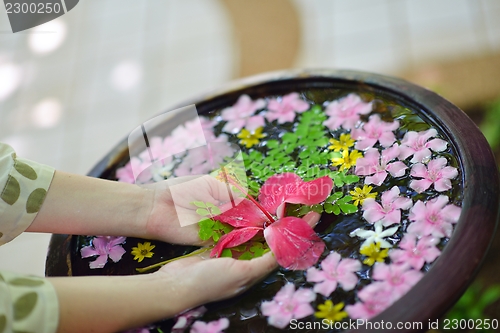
{"x": 244, "y": 214}
{"x": 420, "y": 185}
{"x": 294, "y": 243}
{"x": 99, "y": 262}
{"x": 234, "y": 238}
{"x": 116, "y": 253}
{"x": 437, "y": 145}
{"x": 397, "y": 169}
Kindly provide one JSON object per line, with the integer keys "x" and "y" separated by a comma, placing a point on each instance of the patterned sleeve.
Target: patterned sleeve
{"x": 27, "y": 303}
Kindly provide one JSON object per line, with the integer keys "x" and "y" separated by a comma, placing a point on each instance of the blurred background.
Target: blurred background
{"x": 74, "y": 87}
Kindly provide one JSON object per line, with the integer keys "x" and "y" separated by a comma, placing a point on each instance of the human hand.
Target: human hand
{"x": 173, "y": 217}
{"x": 201, "y": 280}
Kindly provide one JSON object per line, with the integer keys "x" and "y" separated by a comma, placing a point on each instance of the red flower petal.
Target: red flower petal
{"x": 288, "y": 187}
{"x": 294, "y": 243}
{"x": 244, "y": 214}
{"x": 312, "y": 192}
{"x": 234, "y": 238}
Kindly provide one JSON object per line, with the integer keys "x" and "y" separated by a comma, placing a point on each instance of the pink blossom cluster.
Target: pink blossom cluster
{"x": 158, "y": 161}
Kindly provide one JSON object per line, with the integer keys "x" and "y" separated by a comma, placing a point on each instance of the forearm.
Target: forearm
{"x": 84, "y": 205}
{"x": 116, "y": 303}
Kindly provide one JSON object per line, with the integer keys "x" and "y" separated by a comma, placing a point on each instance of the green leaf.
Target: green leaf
{"x": 334, "y": 197}
{"x": 317, "y": 208}
{"x": 226, "y": 253}
{"x": 200, "y": 204}
{"x": 348, "y": 208}
{"x": 272, "y": 144}
{"x": 215, "y": 236}
{"x": 289, "y": 137}
{"x": 202, "y": 212}
{"x": 246, "y": 256}
{"x": 349, "y": 179}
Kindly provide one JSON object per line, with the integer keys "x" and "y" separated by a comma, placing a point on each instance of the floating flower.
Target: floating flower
{"x": 359, "y": 195}
{"x": 375, "y": 236}
{"x": 345, "y": 112}
{"x": 416, "y": 252}
{"x": 215, "y": 326}
{"x": 347, "y": 160}
{"x": 389, "y": 211}
{"x": 374, "y": 299}
{"x": 104, "y": 247}
{"x": 186, "y": 318}
{"x": 376, "y": 165}
{"x": 418, "y": 145}
{"x": 375, "y": 130}
{"x": 142, "y": 251}
{"x": 433, "y": 218}
{"x": 249, "y": 139}
{"x": 334, "y": 271}
{"x": 373, "y": 254}
{"x": 202, "y": 160}
{"x": 134, "y": 168}
{"x": 436, "y": 173}
{"x": 242, "y": 115}
{"x": 343, "y": 143}
{"x": 400, "y": 278}
{"x": 284, "y": 110}
{"x": 293, "y": 242}
{"x": 288, "y": 304}
{"x": 331, "y": 312}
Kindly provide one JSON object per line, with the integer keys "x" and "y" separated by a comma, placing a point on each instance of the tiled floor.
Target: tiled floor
{"x": 120, "y": 62}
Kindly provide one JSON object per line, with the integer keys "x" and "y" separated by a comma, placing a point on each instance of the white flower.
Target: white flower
{"x": 376, "y": 236}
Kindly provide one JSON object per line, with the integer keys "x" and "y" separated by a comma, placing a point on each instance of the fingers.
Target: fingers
{"x": 262, "y": 266}
{"x": 312, "y": 218}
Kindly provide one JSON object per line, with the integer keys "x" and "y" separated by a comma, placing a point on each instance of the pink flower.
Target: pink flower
{"x": 294, "y": 243}
{"x": 374, "y": 130}
{"x": 436, "y": 173}
{"x": 416, "y": 253}
{"x": 433, "y": 218}
{"x": 284, "y": 110}
{"x": 400, "y": 278}
{"x": 185, "y": 319}
{"x": 334, "y": 271}
{"x": 202, "y": 160}
{"x": 215, "y": 326}
{"x": 418, "y": 145}
{"x": 134, "y": 168}
{"x": 389, "y": 212}
{"x": 345, "y": 112}
{"x": 288, "y": 304}
{"x": 104, "y": 247}
{"x": 241, "y": 115}
{"x": 374, "y": 298}
{"x": 376, "y": 165}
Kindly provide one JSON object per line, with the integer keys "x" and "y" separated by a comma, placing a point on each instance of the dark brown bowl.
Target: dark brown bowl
{"x": 455, "y": 268}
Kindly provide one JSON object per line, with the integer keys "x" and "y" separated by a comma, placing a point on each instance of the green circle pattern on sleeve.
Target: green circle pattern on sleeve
{"x": 27, "y": 304}
{"x": 23, "y": 188}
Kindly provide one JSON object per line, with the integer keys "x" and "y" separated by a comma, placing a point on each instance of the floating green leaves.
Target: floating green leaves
{"x": 408, "y": 119}
{"x": 294, "y": 151}
{"x": 210, "y": 228}
{"x": 246, "y": 251}
{"x": 337, "y": 203}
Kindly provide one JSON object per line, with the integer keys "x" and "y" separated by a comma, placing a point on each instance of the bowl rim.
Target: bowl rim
{"x": 473, "y": 234}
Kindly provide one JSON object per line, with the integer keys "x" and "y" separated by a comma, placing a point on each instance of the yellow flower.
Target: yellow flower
{"x": 373, "y": 253}
{"x": 331, "y": 312}
{"x": 347, "y": 160}
{"x": 343, "y": 143}
{"x": 360, "y": 194}
{"x": 142, "y": 251}
{"x": 251, "y": 138}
